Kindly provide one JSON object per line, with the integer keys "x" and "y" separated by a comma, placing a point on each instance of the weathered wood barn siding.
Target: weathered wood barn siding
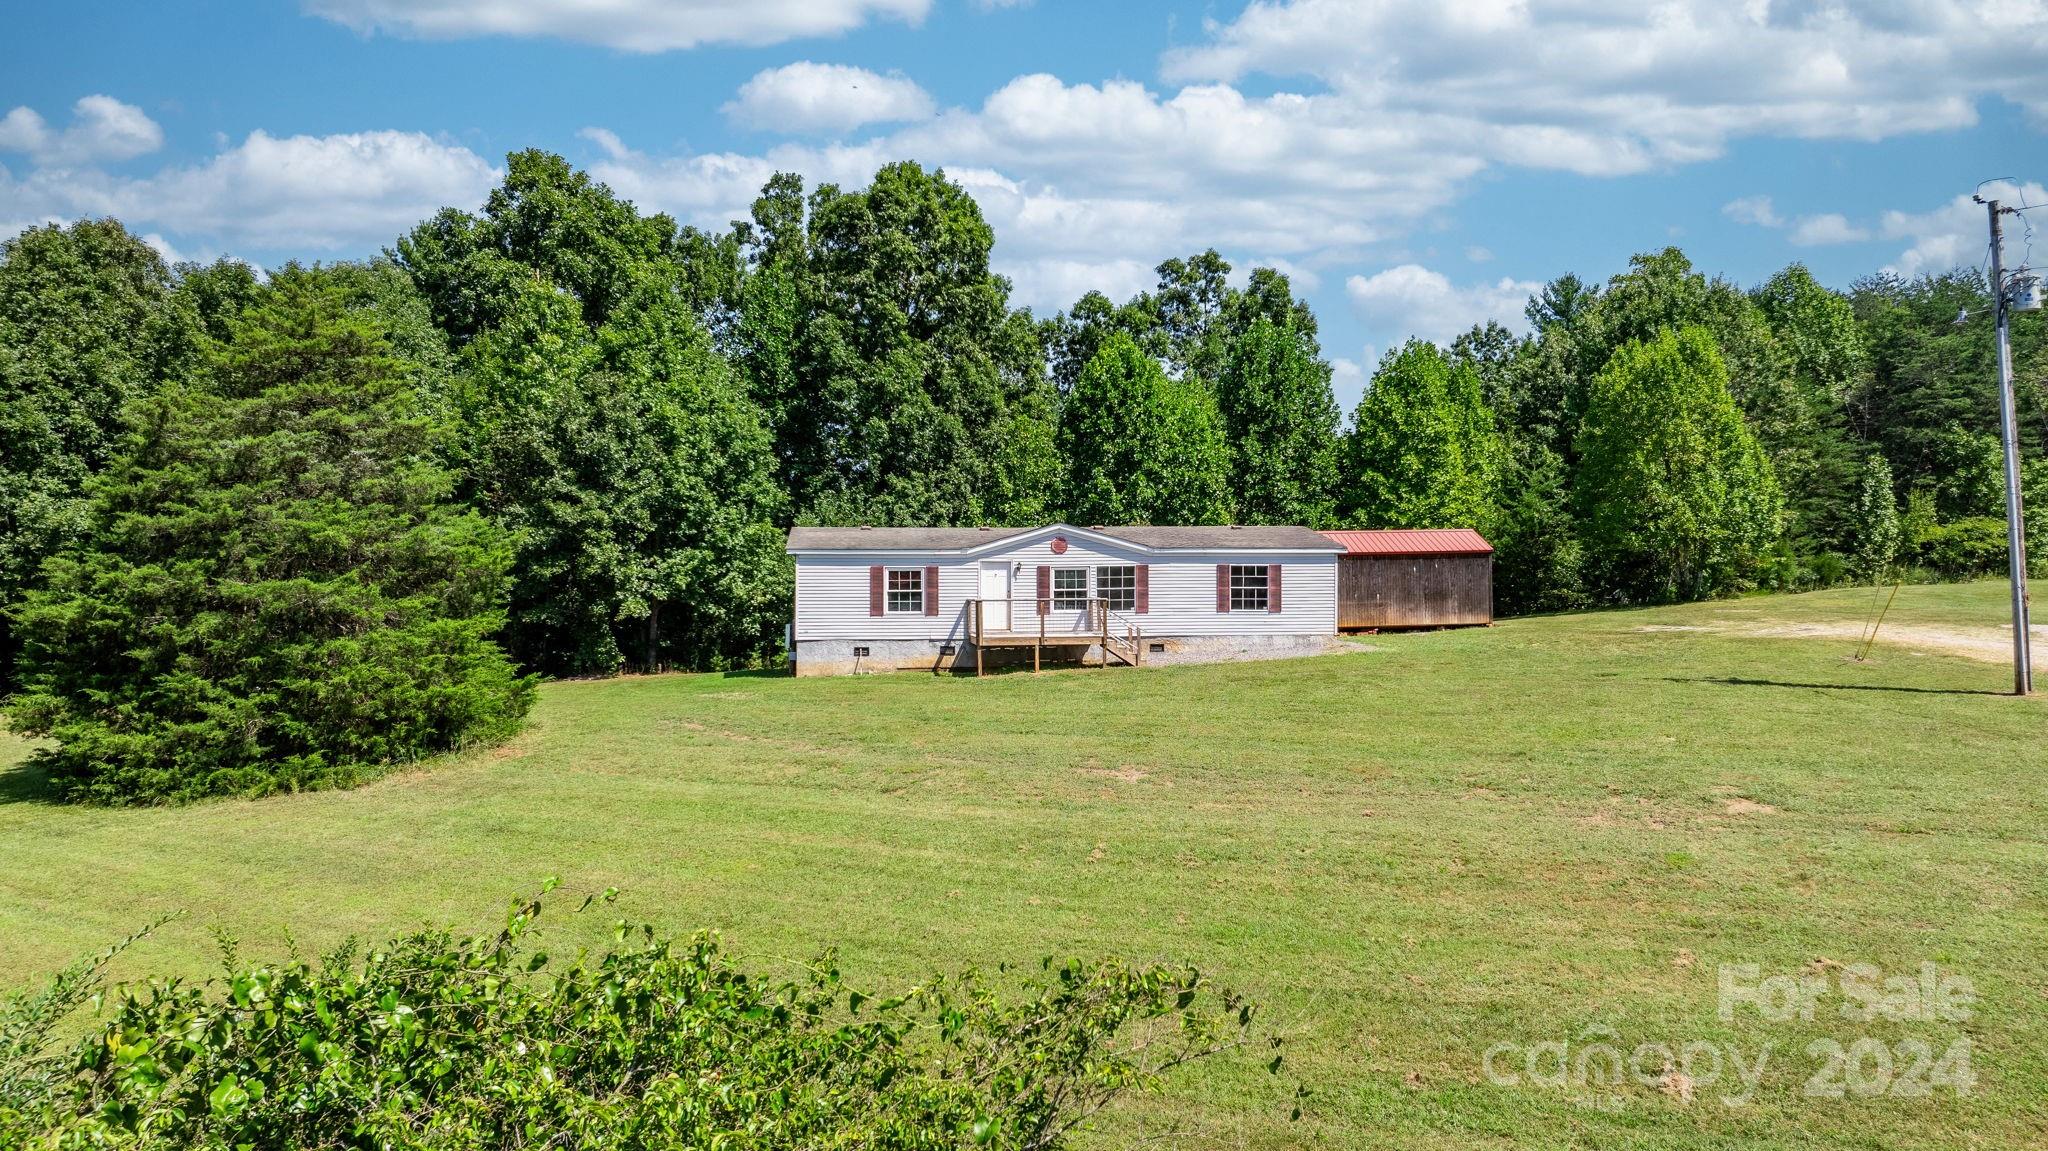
{"x": 1414, "y": 579}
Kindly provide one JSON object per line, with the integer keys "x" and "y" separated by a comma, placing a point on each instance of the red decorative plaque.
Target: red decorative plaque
{"x": 1059, "y": 545}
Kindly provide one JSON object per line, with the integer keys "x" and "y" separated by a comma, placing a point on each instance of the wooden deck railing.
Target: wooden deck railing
{"x": 1113, "y": 632}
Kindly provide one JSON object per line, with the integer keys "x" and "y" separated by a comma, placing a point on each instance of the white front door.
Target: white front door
{"x": 995, "y": 595}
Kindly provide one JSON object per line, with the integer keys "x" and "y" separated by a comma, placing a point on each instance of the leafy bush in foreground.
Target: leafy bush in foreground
{"x": 437, "y": 1042}
{"x": 275, "y": 590}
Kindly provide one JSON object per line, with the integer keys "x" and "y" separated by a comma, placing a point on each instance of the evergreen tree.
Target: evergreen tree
{"x": 275, "y": 591}
{"x": 1141, "y": 447}
{"x": 1538, "y": 563}
{"x": 1423, "y": 451}
{"x": 1930, "y": 385}
{"x": 81, "y": 329}
{"x": 1808, "y": 440}
{"x": 1674, "y": 495}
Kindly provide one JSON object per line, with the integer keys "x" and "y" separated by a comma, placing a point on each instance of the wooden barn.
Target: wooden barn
{"x": 1413, "y": 579}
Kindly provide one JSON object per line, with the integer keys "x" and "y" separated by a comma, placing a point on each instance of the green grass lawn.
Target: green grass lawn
{"x": 1554, "y": 829}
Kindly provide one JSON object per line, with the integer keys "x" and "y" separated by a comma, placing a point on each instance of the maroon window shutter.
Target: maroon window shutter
{"x": 875, "y": 590}
{"x": 931, "y": 589}
{"x": 1144, "y": 592}
{"x": 1044, "y": 588}
{"x": 1223, "y": 588}
{"x": 1273, "y": 587}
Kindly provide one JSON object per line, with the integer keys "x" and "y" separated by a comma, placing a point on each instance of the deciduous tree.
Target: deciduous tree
{"x": 900, "y": 386}
{"x": 638, "y": 481}
{"x": 1281, "y": 421}
{"x": 1423, "y": 451}
{"x": 1141, "y": 447}
{"x": 1674, "y": 495}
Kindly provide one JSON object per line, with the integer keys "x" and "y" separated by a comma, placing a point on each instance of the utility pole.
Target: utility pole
{"x": 2015, "y": 533}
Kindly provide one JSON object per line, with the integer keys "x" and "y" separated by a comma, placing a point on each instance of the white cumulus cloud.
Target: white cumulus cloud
{"x": 1827, "y": 228}
{"x": 347, "y": 192}
{"x": 628, "y": 25}
{"x": 1603, "y": 86}
{"x": 1805, "y": 231}
{"x": 1957, "y": 234}
{"x": 807, "y": 97}
{"x": 1756, "y": 210}
{"x": 1363, "y": 119}
{"x": 101, "y": 129}
{"x": 1411, "y": 300}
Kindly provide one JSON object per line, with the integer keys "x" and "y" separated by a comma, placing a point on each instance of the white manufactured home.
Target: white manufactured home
{"x": 938, "y": 599}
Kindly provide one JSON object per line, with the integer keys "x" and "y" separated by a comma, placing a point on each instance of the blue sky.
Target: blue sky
{"x": 1415, "y": 165}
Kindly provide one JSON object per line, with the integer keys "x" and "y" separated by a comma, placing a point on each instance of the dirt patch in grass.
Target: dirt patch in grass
{"x": 1741, "y": 806}
{"x": 1989, "y": 644}
{"x": 1128, "y": 773}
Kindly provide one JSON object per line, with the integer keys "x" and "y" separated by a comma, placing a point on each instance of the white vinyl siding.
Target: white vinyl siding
{"x": 832, "y": 590}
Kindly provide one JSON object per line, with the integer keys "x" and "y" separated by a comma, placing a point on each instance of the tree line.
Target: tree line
{"x": 273, "y": 531}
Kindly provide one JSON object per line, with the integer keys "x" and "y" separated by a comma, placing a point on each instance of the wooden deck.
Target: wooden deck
{"x": 1119, "y": 637}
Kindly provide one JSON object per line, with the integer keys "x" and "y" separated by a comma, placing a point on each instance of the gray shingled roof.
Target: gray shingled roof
{"x": 897, "y": 539}
{"x": 962, "y": 539}
{"x": 1293, "y": 538}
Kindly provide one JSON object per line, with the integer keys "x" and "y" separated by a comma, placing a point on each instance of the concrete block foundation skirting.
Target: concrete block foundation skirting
{"x": 868, "y": 657}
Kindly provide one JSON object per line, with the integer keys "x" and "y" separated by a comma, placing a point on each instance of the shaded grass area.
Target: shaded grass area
{"x": 1555, "y": 829}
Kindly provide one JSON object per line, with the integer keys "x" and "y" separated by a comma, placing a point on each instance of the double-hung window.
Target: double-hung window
{"x": 1248, "y": 587}
{"x": 906, "y": 591}
{"x": 1118, "y": 587}
{"x": 1069, "y": 589}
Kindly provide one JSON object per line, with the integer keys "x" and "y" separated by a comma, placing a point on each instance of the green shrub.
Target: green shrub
{"x": 1828, "y": 568}
{"x": 437, "y": 1042}
{"x": 1967, "y": 547}
{"x": 274, "y": 591}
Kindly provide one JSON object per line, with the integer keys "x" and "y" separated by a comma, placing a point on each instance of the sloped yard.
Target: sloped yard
{"x": 1554, "y": 831}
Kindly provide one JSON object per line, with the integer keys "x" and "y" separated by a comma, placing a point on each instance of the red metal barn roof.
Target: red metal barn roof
{"x": 1407, "y": 542}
